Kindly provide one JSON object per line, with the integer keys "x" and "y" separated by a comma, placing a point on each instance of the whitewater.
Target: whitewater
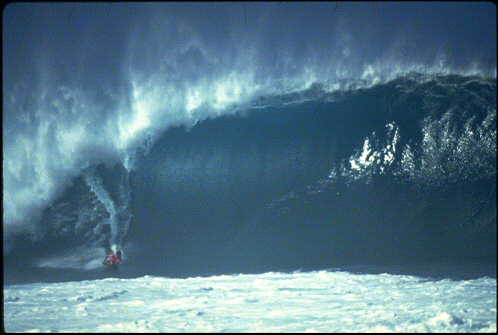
{"x": 317, "y": 301}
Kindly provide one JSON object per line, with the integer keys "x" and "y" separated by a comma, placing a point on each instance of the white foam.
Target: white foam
{"x": 321, "y": 301}
{"x": 78, "y": 258}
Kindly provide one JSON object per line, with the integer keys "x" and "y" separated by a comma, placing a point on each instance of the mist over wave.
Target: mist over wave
{"x": 180, "y": 132}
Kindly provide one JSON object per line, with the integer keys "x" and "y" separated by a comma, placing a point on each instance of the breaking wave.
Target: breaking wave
{"x": 305, "y": 178}
{"x": 277, "y": 147}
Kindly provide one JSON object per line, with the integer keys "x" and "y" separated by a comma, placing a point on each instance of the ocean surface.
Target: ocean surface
{"x": 202, "y": 146}
{"x": 305, "y": 302}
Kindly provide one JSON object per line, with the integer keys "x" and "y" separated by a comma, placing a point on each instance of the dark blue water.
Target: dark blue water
{"x": 276, "y": 188}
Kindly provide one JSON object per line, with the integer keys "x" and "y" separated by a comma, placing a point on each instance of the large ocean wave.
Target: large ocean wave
{"x": 389, "y": 172}
{"x": 159, "y": 136}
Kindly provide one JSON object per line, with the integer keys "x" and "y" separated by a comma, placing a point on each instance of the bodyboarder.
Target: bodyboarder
{"x": 113, "y": 258}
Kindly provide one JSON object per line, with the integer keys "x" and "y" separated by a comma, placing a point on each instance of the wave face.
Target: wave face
{"x": 266, "y": 148}
{"x": 405, "y": 170}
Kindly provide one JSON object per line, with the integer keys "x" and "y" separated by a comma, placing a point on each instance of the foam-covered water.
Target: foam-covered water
{"x": 321, "y": 301}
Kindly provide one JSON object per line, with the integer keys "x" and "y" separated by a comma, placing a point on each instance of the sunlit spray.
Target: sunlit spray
{"x": 95, "y": 184}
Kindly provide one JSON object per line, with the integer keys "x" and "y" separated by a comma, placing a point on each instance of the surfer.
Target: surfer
{"x": 113, "y": 258}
